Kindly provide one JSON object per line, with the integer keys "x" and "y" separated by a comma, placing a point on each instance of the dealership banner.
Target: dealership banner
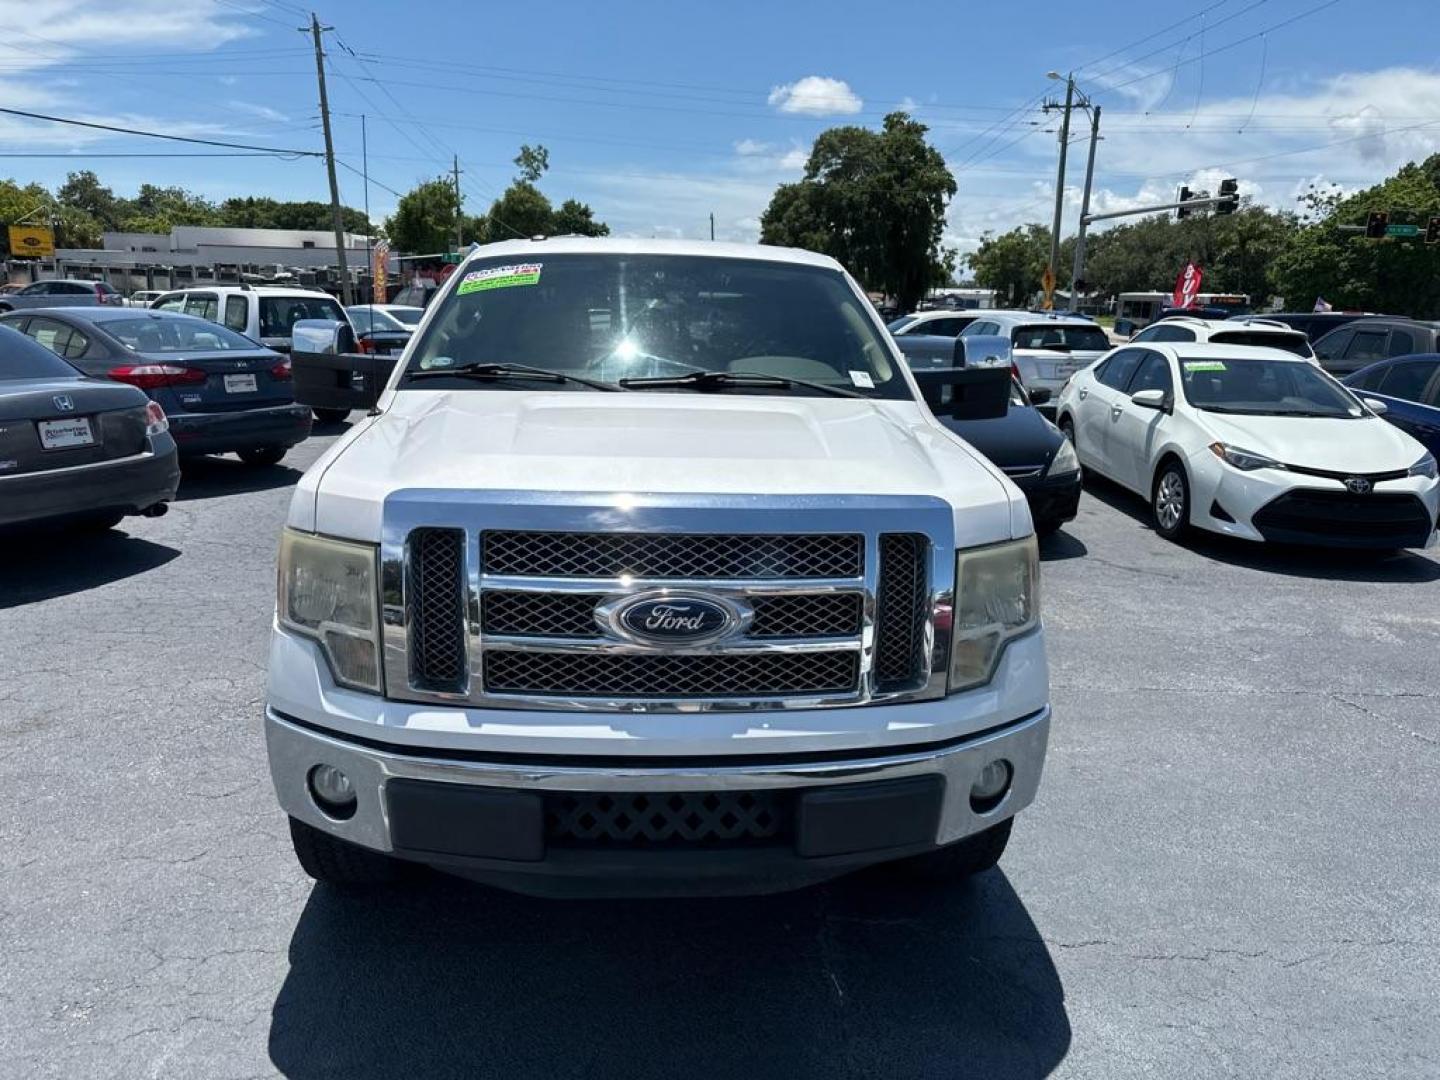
{"x": 31, "y": 242}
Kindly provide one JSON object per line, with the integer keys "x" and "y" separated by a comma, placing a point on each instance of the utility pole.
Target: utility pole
{"x": 369, "y": 229}
{"x": 1060, "y": 185}
{"x": 712, "y": 225}
{"x": 1077, "y": 273}
{"x": 459, "y": 211}
{"x": 315, "y": 31}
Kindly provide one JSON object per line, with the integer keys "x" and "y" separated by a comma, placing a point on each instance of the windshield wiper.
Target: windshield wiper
{"x": 509, "y": 371}
{"x": 722, "y": 380}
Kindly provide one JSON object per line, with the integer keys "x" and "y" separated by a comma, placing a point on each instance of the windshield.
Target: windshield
{"x": 366, "y": 319}
{"x": 1298, "y": 344}
{"x": 609, "y": 317}
{"x": 1264, "y": 388}
{"x": 410, "y": 316}
{"x": 151, "y": 334}
{"x": 279, "y": 314}
{"x": 22, "y": 358}
{"x": 1084, "y": 338}
{"x": 896, "y": 325}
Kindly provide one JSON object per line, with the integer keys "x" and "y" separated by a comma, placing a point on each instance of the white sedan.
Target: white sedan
{"x": 1250, "y": 442}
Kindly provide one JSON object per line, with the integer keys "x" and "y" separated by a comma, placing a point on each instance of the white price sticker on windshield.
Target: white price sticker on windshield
{"x": 862, "y": 379}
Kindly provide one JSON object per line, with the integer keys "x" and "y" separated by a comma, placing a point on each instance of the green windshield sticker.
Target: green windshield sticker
{"x": 500, "y": 277}
{"x": 1204, "y": 365}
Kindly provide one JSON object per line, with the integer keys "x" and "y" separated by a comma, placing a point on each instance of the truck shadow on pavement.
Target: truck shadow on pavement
{"x": 44, "y": 565}
{"x": 1330, "y": 564}
{"x": 857, "y": 978}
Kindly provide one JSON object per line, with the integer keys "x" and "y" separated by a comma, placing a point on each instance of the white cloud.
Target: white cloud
{"x": 795, "y": 159}
{"x": 751, "y": 148}
{"x": 262, "y": 112}
{"x": 816, "y": 95}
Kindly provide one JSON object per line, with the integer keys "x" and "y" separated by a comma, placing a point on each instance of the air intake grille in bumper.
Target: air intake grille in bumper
{"x": 789, "y": 615}
{"x": 672, "y": 555}
{"x": 435, "y": 601}
{"x": 669, "y": 675}
{"x": 901, "y": 610}
{"x": 1338, "y": 517}
{"x": 667, "y": 819}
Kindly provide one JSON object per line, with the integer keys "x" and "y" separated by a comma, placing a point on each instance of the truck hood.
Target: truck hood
{"x": 1365, "y": 445}
{"x": 650, "y": 443}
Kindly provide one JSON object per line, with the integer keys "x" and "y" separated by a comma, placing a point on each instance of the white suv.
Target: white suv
{"x": 1262, "y": 333}
{"x": 264, "y": 313}
{"x": 1047, "y": 348}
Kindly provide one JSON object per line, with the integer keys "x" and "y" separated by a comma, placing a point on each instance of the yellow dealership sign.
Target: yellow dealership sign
{"x": 31, "y": 242}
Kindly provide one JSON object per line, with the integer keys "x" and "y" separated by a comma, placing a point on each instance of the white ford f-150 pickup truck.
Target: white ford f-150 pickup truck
{"x": 650, "y": 572}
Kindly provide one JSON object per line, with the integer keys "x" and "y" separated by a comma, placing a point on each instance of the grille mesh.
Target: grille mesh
{"x": 672, "y": 555}
{"x": 661, "y": 819}
{"x": 435, "y": 600}
{"x": 1338, "y": 515}
{"x": 669, "y": 675}
{"x": 900, "y": 610}
{"x": 536, "y": 614}
{"x": 806, "y": 615}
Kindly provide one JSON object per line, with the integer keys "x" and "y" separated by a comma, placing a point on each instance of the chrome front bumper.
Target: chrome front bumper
{"x": 295, "y": 749}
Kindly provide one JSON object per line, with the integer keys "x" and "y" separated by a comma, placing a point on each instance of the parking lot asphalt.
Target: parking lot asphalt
{"x": 1233, "y": 868}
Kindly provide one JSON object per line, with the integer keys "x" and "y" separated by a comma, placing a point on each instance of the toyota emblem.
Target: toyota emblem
{"x": 1357, "y": 485}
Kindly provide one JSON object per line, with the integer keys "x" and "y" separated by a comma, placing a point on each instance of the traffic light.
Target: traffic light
{"x": 1377, "y": 223}
{"x": 1230, "y": 194}
{"x": 1185, "y": 196}
{"x": 1432, "y": 231}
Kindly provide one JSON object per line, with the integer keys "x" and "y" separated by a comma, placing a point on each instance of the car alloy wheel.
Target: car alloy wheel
{"x": 1172, "y": 499}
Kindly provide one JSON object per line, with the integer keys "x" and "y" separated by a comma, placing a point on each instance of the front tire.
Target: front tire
{"x": 338, "y": 863}
{"x": 262, "y": 456}
{"x": 1170, "y": 501}
{"x": 960, "y": 860}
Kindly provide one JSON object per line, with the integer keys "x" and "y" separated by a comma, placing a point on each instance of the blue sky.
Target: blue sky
{"x": 659, "y": 114}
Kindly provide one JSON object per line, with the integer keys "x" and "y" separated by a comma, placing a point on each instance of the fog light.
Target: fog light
{"x": 332, "y": 790}
{"x": 990, "y": 786}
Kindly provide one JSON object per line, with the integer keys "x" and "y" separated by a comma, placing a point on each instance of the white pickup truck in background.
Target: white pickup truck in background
{"x": 649, "y": 572}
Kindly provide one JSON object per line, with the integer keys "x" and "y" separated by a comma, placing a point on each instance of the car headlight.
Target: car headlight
{"x": 1424, "y": 467}
{"x": 327, "y": 592}
{"x": 997, "y": 598}
{"x": 1243, "y": 460}
{"x": 1064, "y": 461}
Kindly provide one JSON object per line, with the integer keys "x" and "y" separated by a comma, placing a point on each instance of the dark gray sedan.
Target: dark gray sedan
{"x": 76, "y": 450}
{"x": 222, "y": 391}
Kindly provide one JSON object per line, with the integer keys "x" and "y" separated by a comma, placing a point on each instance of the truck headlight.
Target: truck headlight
{"x": 327, "y": 592}
{"x": 997, "y": 598}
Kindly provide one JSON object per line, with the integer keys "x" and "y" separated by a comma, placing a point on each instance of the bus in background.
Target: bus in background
{"x": 1138, "y": 309}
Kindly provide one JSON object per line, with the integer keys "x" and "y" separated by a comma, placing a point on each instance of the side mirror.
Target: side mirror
{"x": 983, "y": 351}
{"x": 1151, "y": 399}
{"x": 323, "y": 336}
{"x": 1379, "y": 408}
{"x": 1039, "y": 396}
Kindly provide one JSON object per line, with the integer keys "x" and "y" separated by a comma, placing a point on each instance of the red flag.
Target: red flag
{"x": 1187, "y": 285}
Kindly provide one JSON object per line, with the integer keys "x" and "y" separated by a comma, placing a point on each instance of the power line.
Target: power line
{"x": 81, "y": 158}
{"x": 277, "y": 151}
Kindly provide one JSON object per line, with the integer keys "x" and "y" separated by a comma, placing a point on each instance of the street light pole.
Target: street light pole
{"x": 1060, "y": 188}
{"x": 1077, "y": 273}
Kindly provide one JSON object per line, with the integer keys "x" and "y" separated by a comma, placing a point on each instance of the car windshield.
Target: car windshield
{"x": 1051, "y": 336}
{"x": 279, "y": 314}
{"x": 23, "y": 358}
{"x": 1298, "y": 344}
{"x": 1260, "y": 387}
{"x": 151, "y": 334}
{"x": 410, "y": 316}
{"x": 609, "y": 317}
{"x": 366, "y": 319}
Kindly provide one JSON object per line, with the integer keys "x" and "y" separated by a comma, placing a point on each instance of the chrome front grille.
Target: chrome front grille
{"x": 508, "y": 604}
{"x": 669, "y": 675}
{"x": 671, "y": 555}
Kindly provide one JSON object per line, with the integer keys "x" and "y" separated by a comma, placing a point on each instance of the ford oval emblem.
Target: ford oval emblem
{"x": 680, "y": 619}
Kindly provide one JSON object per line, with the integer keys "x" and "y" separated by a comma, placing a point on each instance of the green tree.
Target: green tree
{"x": 533, "y": 162}
{"x": 249, "y": 212}
{"x": 83, "y": 192}
{"x": 521, "y": 210}
{"x": 575, "y": 218}
{"x": 159, "y": 209}
{"x": 1012, "y": 263}
{"x": 874, "y": 200}
{"x": 424, "y": 218}
{"x": 1352, "y": 271}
